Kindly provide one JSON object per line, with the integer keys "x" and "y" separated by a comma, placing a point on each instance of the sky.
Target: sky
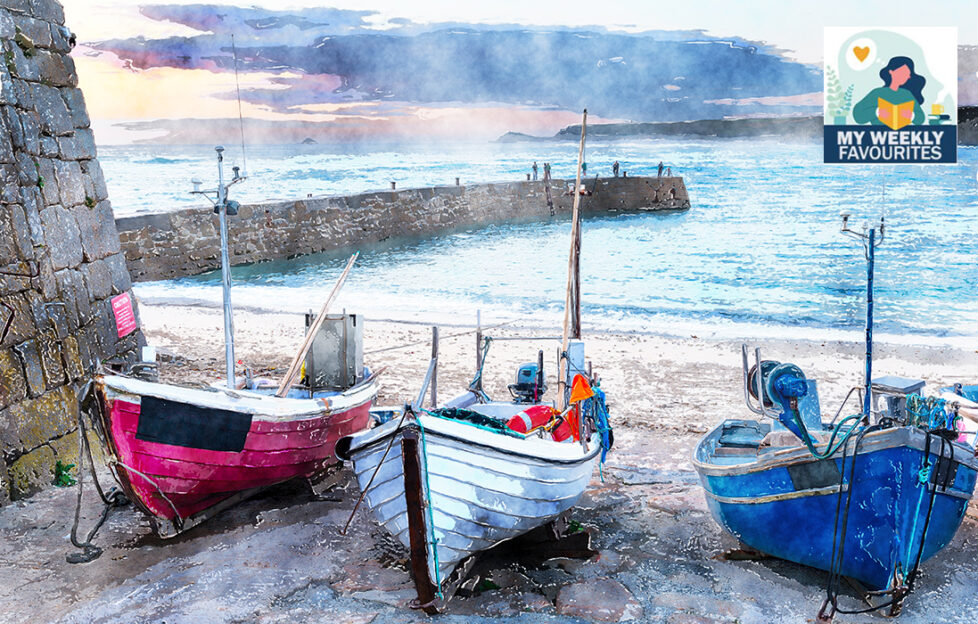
{"x": 794, "y": 25}
{"x": 793, "y": 28}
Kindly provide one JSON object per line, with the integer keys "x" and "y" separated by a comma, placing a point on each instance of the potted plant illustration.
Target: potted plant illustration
{"x": 838, "y": 102}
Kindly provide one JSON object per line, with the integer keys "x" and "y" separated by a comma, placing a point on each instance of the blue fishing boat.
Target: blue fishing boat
{"x": 868, "y": 497}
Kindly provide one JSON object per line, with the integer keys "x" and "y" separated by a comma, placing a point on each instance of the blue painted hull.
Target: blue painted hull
{"x": 784, "y": 503}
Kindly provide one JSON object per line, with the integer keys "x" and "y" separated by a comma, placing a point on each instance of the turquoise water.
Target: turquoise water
{"x": 759, "y": 253}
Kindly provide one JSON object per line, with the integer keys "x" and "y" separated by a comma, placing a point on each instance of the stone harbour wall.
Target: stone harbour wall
{"x": 187, "y": 242}
{"x": 60, "y": 260}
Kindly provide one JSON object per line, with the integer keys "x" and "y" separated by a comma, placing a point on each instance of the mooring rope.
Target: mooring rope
{"x": 114, "y": 497}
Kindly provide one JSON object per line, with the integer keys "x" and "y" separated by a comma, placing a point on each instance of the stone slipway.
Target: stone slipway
{"x": 186, "y": 242}
{"x": 281, "y": 558}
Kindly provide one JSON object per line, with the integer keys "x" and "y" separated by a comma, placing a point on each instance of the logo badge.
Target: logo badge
{"x": 891, "y": 95}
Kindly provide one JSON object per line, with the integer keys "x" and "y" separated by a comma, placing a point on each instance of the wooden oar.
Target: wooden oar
{"x": 296, "y": 364}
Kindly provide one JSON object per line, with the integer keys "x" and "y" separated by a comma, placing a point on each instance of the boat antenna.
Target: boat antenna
{"x": 237, "y": 86}
{"x": 869, "y": 241}
{"x": 572, "y": 302}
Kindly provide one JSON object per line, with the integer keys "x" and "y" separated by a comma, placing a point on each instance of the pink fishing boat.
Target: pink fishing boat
{"x": 183, "y": 454}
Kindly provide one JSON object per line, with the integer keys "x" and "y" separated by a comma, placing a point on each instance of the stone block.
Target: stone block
{"x": 70, "y": 185}
{"x": 13, "y": 386}
{"x": 66, "y": 450}
{"x": 49, "y": 286}
{"x": 62, "y": 237}
{"x": 98, "y": 279}
{"x": 121, "y": 281}
{"x": 47, "y": 181}
{"x": 11, "y": 121}
{"x": 38, "y": 31}
{"x": 6, "y": 149}
{"x": 21, "y": 231}
{"x": 30, "y": 360}
{"x": 30, "y": 200}
{"x": 31, "y": 472}
{"x": 24, "y": 67}
{"x": 75, "y": 101}
{"x": 17, "y": 6}
{"x": 7, "y": 26}
{"x": 78, "y": 146}
{"x": 21, "y": 320}
{"x": 31, "y": 423}
{"x": 87, "y": 349}
{"x": 23, "y": 94}
{"x": 71, "y": 290}
{"x": 51, "y": 362}
{"x": 31, "y": 128}
{"x": 94, "y": 170}
{"x": 50, "y": 147}
{"x": 9, "y": 184}
{"x": 53, "y": 112}
{"x": 57, "y": 70}
{"x": 73, "y": 359}
{"x": 98, "y": 234}
{"x": 48, "y": 10}
{"x": 60, "y": 39}
{"x": 28, "y": 172}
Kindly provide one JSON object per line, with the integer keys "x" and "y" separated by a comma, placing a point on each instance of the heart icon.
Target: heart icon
{"x": 861, "y": 52}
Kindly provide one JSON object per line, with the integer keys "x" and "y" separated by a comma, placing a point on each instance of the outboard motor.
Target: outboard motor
{"x": 529, "y": 386}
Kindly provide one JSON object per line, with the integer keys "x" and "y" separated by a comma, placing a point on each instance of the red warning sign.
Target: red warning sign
{"x": 125, "y": 318}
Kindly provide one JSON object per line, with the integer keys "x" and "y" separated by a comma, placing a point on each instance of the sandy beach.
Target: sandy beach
{"x": 280, "y": 557}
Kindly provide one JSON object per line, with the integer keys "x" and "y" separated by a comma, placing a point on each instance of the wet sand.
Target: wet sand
{"x": 280, "y": 557}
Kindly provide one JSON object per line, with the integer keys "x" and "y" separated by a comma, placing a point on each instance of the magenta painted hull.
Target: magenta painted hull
{"x": 172, "y": 483}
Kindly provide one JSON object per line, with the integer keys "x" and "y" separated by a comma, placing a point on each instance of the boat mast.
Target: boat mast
{"x": 572, "y": 301}
{"x": 222, "y": 210}
{"x": 869, "y": 241}
{"x": 223, "y": 207}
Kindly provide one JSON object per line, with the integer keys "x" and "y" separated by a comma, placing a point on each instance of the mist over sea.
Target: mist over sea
{"x": 759, "y": 253}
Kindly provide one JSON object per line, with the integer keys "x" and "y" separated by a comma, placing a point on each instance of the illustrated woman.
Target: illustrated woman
{"x": 901, "y": 86}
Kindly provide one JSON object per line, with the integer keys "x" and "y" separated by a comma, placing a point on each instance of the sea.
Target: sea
{"x": 759, "y": 254}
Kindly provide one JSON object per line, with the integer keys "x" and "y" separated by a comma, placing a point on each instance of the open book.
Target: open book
{"x": 899, "y": 115}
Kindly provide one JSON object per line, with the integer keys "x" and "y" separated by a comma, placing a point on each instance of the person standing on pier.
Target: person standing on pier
{"x": 614, "y": 168}
{"x": 534, "y": 170}
{"x": 546, "y": 171}
{"x": 660, "y": 168}
{"x": 584, "y": 170}
{"x": 668, "y": 172}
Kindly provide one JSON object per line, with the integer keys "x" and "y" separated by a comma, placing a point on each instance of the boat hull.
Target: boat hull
{"x": 481, "y": 487}
{"x": 179, "y": 453}
{"x": 785, "y": 505}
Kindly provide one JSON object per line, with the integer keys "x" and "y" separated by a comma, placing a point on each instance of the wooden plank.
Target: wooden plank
{"x": 414, "y": 499}
{"x": 296, "y": 364}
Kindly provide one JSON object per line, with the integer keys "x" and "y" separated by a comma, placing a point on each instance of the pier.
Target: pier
{"x": 186, "y": 242}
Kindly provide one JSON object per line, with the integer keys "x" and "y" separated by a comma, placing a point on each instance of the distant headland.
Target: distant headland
{"x": 794, "y": 127}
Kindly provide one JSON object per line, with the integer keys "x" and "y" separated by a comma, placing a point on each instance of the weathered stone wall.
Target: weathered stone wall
{"x": 175, "y": 244}
{"x": 56, "y": 224}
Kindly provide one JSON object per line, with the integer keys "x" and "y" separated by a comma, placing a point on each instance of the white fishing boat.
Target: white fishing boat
{"x": 454, "y": 480}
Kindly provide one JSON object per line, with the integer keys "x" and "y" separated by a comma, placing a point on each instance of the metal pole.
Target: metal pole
{"x": 871, "y": 257}
{"x": 478, "y": 343}
{"x": 434, "y": 374}
{"x": 225, "y": 270}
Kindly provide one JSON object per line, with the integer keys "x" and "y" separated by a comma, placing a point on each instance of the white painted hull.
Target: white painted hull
{"x": 483, "y": 487}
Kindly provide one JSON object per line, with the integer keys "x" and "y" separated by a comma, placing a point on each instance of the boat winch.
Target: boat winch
{"x": 784, "y": 386}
